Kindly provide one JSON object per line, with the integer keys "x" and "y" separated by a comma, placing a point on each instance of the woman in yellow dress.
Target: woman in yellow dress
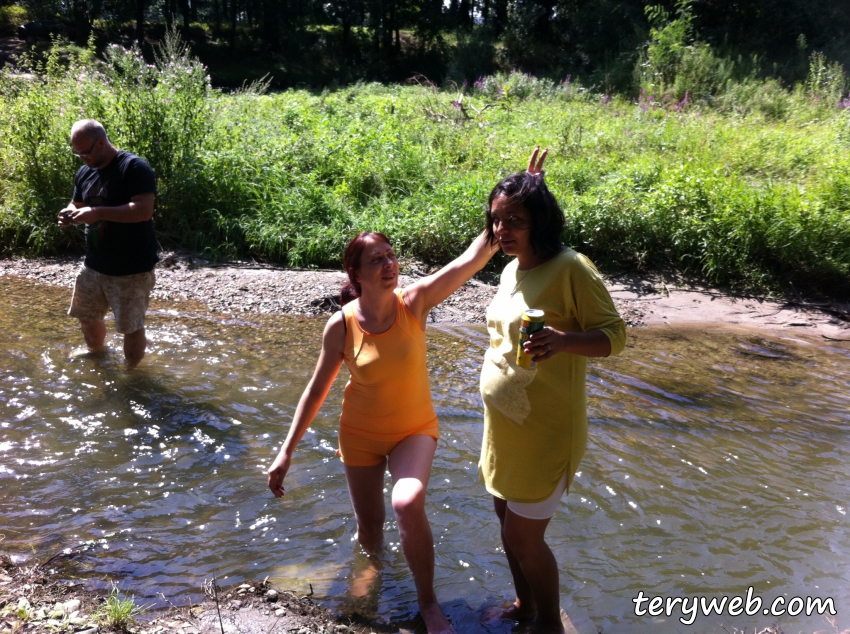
{"x": 388, "y": 420}
{"x": 535, "y": 420}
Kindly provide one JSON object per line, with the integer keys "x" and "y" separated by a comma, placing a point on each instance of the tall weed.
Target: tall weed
{"x": 37, "y": 161}
{"x": 826, "y": 82}
{"x": 765, "y": 97}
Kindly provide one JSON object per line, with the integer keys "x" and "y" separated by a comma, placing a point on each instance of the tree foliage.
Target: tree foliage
{"x": 326, "y": 41}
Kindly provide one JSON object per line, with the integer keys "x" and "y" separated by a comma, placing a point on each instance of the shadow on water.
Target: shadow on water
{"x": 717, "y": 461}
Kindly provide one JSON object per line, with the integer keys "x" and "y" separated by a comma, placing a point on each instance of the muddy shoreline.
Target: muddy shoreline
{"x": 50, "y": 596}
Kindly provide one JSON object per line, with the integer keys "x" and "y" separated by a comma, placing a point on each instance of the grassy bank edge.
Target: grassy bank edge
{"x": 35, "y": 598}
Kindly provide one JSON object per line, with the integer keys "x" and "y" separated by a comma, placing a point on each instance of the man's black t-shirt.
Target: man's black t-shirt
{"x": 118, "y": 248}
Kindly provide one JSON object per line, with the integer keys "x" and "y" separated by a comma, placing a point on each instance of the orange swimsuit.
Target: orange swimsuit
{"x": 388, "y": 397}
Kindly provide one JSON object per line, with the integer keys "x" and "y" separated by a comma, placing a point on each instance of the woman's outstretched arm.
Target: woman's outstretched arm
{"x": 423, "y": 295}
{"x": 330, "y": 360}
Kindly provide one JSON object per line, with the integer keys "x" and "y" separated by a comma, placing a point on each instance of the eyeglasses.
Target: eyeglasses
{"x": 511, "y": 222}
{"x": 86, "y": 154}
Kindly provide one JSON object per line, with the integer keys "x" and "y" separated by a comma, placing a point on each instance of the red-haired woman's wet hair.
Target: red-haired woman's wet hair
{"x": 351, "y": 262}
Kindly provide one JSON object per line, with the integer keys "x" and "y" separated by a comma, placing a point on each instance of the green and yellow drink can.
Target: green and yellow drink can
{"x": 532, "y": 321}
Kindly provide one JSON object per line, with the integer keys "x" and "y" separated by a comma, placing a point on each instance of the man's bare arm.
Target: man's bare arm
{"x": 139, "y": 209}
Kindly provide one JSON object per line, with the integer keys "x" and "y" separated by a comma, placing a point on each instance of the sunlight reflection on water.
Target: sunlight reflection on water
{"x": 717, "y": 461}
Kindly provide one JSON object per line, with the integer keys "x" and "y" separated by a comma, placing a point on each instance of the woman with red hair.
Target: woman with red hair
{"x": 388, "y": 420}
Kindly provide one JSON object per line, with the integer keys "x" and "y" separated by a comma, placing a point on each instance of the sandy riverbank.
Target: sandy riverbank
{"x": 643, "y": 299}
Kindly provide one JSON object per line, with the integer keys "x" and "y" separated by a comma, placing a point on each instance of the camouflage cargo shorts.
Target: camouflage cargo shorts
{"x": 127, "y": 295}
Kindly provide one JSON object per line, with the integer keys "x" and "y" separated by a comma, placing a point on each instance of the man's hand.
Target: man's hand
{"x": 139, "y": 209}
{"x": 84, "y": 215}
{"x": 65, "y": 216}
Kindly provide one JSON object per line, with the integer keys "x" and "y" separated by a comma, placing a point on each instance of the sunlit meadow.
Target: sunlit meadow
{"x": 751, "y": 189}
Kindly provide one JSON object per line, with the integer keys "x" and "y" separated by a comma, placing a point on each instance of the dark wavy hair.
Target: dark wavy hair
{"x": 351, "y": 262}
{"x": 547, "y": 219}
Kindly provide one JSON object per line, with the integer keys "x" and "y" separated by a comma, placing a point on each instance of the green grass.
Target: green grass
{"x": 742, "y": 192}
{"x": 119, "y": 612}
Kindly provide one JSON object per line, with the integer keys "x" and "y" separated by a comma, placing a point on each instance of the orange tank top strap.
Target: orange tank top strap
{"x": 406, "y": 319}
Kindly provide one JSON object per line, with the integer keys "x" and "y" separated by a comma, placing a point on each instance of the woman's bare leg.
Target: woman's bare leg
{"x": 523, "y": 606}
{"x": 410, "y": 468}
{"x": 366, "y": 489}
{"x": 538, "y": 579}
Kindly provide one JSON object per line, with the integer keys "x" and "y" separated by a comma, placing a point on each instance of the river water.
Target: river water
{"x": 717, "y": 462}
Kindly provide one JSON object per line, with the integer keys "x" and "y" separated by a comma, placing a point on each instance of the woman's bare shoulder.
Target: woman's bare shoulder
{"x": 333, "y": 337}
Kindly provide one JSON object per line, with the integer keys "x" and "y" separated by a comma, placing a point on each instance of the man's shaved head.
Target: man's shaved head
{"x": 89, "y": 128}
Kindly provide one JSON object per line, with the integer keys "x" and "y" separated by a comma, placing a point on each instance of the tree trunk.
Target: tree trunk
{"x": 233, "y": 14}
{"x": 140, "y": 21}
{"x": 81, "y": 22}
{"x": 392, "y": 25}
{"x": 217, "y": 17}
{"x": 184, "y": 9}
{"x": 271, "y": 24}
{"x": 386, "y": 25}
{"x": 166, "y": 12}
{"x": 543, "y": 26}
{"x": 485, "y": 12}
{"x": 453, "y": 13}
{"x": 346, "y": 31}
{"x": 464, "y": 14}
{"x": 375, "y": 20}
{"x": 500, "y": 16}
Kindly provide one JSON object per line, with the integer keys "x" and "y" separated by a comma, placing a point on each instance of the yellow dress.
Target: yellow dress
{"x": 535, "y": 421}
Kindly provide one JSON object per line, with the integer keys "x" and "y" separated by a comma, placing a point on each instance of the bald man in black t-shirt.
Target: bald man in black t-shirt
{"x": 114, "y": 193}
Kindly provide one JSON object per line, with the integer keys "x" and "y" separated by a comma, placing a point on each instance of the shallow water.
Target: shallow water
{"x": 718, "y": 461}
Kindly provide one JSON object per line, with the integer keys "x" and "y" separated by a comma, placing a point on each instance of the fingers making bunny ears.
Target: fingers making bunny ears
{"x": 535, "y": 164}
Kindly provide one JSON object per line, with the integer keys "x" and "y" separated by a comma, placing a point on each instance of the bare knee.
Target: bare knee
{"x": 522, "y": 542}
{"x": 408, "y": 498}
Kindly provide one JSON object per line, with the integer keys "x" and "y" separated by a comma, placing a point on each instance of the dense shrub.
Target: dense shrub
{"x": 11, "y": 17}
{"x": 160, "y": 111}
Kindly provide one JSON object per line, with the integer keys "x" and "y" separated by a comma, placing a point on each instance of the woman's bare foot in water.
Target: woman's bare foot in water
{"x": 552, "y": 624}
{"x": 555, "y": 627}
{"x": 435, "y": 621}
{"x": 512, "y": 612}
